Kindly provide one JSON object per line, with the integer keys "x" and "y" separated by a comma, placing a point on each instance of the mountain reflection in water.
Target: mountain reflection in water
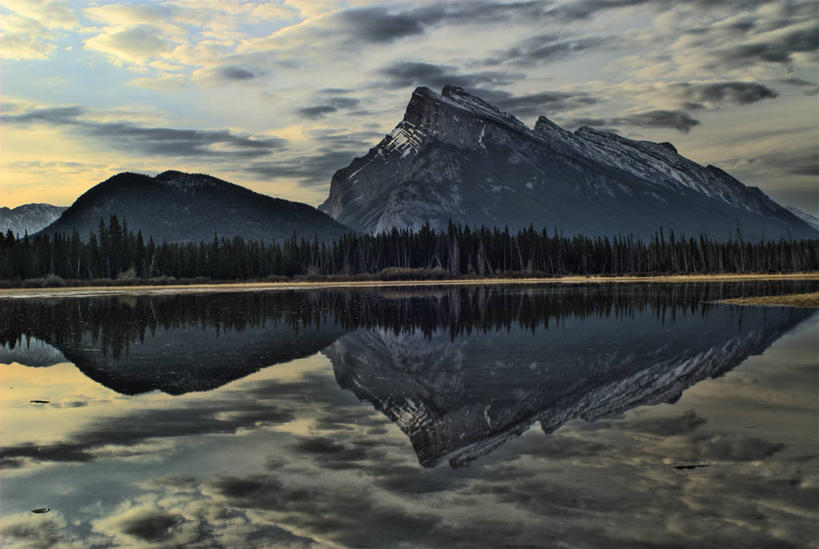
{"x": 460, "y": 369}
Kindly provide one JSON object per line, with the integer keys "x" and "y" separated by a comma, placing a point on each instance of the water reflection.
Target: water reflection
{"x": 459, "y": 370}
{"x": 283, "y": 457}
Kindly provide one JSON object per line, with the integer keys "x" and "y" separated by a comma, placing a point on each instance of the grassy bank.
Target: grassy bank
{"x": 212, "y": 287}
{"x": 789, "y": 300}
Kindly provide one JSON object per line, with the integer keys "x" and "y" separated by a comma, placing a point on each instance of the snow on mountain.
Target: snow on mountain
{"x": 28, "y": 218}
{"x": 806, "y": 217}
{"x": 455, "y": 156}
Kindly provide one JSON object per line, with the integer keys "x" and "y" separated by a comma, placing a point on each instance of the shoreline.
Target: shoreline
{"x": 804, "y": 300}
{"x": 92, "y": 291}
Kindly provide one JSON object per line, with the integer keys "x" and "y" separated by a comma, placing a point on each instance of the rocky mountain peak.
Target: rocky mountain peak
{"x": 544, "y": 125}
{"x": 463, "y": 97}
{"x": 454, "y": 156}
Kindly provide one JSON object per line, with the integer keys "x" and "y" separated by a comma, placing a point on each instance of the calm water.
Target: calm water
{"x": 616, "y": 416}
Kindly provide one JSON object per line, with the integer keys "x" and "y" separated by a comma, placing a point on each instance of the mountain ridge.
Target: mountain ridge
{"x": 29, "y": 218}
{"x": 455, "y": 156}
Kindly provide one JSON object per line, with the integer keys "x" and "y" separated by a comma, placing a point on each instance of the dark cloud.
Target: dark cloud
{"x": 235, "y": 73}
{"x": 329, "y": 106}
{"x": 692, "y": 106}
{"x": 593, "y": 122}
{"x": 316, "y": 111}
{"x": 383, "y": 25}
{"x": 795, "y": 82}
{"x": 544, "y": 102}
{"x": 351, "y": 516}
{"x": 160, "y": 141}
{"x": 799, "y": 162}
{"x": 50, "y": 115}
{"x": 669, "y": 426}
{"x": 584, "y": 9}
{"x": 409, "y": 73}
{"x": 741, "y": 93}
{"x": 314, "y": 170}
{"x": 546, "y": 48}
{"x": 151, "y": 525}
{"x": 779, "y": 50}
{"x": 677, "y": 120}
{"x": 46, "y": 532}
{"x": 339, "y": 139}
{"x": 130, "y": 431}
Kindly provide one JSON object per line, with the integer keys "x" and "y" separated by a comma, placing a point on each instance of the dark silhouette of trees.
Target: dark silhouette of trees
{"x": 114, "y": 252}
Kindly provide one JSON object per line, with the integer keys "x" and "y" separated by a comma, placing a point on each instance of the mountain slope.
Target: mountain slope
{"x": 806, "y": 217}
{"x": 454, "y": 156}
{"x": 176, "y": 206}
{"x": 28, "y": 218}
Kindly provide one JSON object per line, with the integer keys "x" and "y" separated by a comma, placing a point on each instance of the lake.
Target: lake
{"x": 623, "y": 415}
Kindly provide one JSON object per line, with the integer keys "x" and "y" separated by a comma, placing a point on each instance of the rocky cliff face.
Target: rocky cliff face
{"x": 455, "y": 156}
{"x": 28, "y": 218}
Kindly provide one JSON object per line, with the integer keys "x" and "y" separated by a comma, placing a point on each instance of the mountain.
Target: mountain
{"x": 460, "y": 398}
{"x": 455, "y": 156}
{"x": 811, "y": 220}
{"x": 175, "y": 344}
{"x": 28, "y": 218}
{"x": 176, "y": 206}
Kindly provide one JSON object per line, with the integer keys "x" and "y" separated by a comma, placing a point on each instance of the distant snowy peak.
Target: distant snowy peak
{"x": 28, "y": 218}
{"x": 456, "y": 157}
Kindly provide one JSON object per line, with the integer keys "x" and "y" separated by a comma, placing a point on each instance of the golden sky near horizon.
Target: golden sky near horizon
{"x": 278, "y": 95}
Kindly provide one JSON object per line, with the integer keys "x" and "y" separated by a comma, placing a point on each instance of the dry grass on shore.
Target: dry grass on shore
{"x": 89, "y": 291}
{"x": 790, "y": 300}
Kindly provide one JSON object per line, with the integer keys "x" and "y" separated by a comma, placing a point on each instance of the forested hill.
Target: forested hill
{"x": 182, "y": 207}
{"x": 112, "y": 252}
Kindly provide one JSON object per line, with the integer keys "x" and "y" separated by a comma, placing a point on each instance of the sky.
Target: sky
{"x": 278, "y": 95}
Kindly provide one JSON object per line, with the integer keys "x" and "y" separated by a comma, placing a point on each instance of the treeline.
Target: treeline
{"x": 115, "y": 252}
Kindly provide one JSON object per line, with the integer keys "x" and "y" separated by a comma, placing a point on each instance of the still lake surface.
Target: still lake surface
{"x": 547, "y": 416}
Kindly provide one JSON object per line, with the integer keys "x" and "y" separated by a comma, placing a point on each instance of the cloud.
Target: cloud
{"x": 50, "y": 15}
{"x": 135, "y": 44}
{"x": 403, "y": 74}
{"x": 235, "y": 73}
{"x": 130, "y": 433}
{"x": 678, "y": 120}
{"x": 231, "y": 74}
{"x": 311, "y": 170}
{"x": 34, "y": 531}
{"x": 329, "y": 106}
{"x": 797, "y": 162}
{"x": 546, "y": 48}
{"x": 161, "y": 141}
{"x": 50, "y": 115}
{"x": 384, "y": 25}
{"x": 23, "y": 38}
{"x": 795, "y": 82}
{"x": 146, "y": 524}
{"x": 584, "y": 9}
{"x": 380, "y": 24}
{"x": 544, "y": 102}
{"x": 777, "y": 50}
{"x": 740, "y": 93}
